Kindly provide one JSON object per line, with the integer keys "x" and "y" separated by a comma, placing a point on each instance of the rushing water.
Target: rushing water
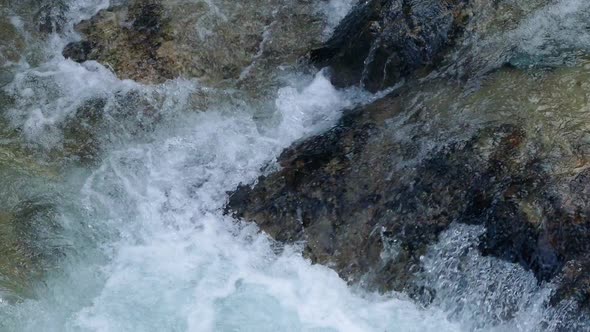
{"x": 138, "y": 240}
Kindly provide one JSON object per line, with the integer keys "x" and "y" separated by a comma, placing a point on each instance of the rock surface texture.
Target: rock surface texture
{"x": 506, "y": 151}
{"x": 151, "y": 41}
{"x": 383, "y": 40}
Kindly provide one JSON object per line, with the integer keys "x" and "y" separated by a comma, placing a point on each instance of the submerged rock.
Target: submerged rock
{"x": 519, "y": 33}
{"x": 25, "y": 254}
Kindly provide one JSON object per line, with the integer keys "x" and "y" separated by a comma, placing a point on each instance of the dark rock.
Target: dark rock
{"x": 339, "y": 193}
{"x": 383, "y": 40}
{"x": 78, "y": 51}
{"x": 369, "y": 196}
{"x": 128, "y": 39}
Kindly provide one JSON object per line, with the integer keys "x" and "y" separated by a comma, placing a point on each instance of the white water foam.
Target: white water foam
{"x": 161, "y": 256}
{"x": 175, "y": 263}
{"x": 334, "y": 11}
{"x": 46, "y": 96}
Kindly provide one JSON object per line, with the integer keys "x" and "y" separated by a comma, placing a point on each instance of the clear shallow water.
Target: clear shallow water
{"x": 143, "y": 243}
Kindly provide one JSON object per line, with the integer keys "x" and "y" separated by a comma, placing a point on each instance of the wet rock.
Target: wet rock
{"x": 153, "y": 41}
{"x": 342, "y": 194}
{"x": 383, "y": 40}
{"x": 86, "y": 133}
{"x": 78, "y": 51}
{"x": 519, "y": 33}
{"x": 369, "y": 196}
{"x": 81, "y": 132}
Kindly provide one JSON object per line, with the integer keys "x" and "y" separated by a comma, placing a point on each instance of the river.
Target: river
{"x": 136, "y": 239}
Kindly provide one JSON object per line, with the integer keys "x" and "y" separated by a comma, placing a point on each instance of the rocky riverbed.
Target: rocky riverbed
{"x": 501, "y": 145}
{"x": 379, "y": 165}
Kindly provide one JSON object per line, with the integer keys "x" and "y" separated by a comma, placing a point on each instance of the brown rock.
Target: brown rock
{"x": 153, "y": 41}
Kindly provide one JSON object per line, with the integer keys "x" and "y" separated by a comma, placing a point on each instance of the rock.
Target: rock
{"x": 87, "y": 132}
{"x": 369, "y": 196}
{"x": 82, "y": 132}
{"x": 519, "y": 33}
{"x": 78, "y": 51}
{"x": 153, "y": 41}
{"x": 128, "y": 40}
{"x": 342, "y": 194}
{"x": 383, "y": 40}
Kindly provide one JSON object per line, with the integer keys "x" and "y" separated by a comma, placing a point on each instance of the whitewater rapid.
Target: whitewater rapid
{"x": 168, "y": 260}
{"x": 151, "y": 248}
{"x": 148, "y": 247}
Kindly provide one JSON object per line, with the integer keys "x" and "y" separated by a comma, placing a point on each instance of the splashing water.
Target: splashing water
{"x": 145, "y": 244}
{"x": 173, "y": 262}
{"x": 149, "y": 247}
{"x": 335, "y": 11}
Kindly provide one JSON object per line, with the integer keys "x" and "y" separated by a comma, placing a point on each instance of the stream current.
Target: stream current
{"x": 137, "y": 240}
